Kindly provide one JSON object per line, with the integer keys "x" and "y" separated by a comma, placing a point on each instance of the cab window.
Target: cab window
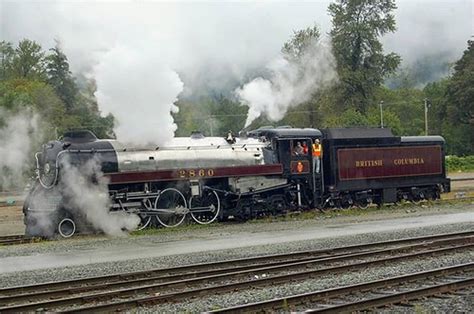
{"x": 299, "y": 148}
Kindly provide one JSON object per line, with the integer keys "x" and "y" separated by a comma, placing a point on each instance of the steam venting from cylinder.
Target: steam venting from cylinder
{"x": 85, "y": 194}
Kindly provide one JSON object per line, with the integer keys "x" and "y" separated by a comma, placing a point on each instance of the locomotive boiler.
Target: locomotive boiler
{"x": 214, "y": 178}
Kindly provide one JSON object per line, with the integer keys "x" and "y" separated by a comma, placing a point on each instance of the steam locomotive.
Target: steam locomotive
{"x": 260, "y": 174}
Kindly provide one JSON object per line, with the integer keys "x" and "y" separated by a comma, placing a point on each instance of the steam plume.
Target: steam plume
{"x": 290, "y": 83}
{"x": 17, "y": 136}
{"x": 142, "y": 103}
{"x": 91, "y": 200}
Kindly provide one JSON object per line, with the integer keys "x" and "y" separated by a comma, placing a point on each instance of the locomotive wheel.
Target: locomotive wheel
{"x": 171, "y": 207}
{"x": 205, "y": 208}
{"x": 145, "y": 219}
{"x": 66, "y": 228}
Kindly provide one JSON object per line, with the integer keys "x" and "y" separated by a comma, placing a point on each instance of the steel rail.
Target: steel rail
{"x": 219, "y": 288}
{"x": 251, "y": 283}
{"x": 294, "y": 300}
{"x": 215, "y": 267}
{"x": 399, "y": 297}
{"x": 14, "y": 239}
{"x": 462, "y": 179}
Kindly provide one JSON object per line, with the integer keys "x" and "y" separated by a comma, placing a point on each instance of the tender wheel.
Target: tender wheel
{"x": 363, "y": 203}
{"x": 171, "y": 207}
{"x": 346, "y": 202}
{"x": 417, "y": 198}
{"x": 435, "y": 196}
{"x": 66, "y": 228}
{"x": 205, "y": 208}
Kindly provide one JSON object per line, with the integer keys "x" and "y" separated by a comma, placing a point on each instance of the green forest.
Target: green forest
{"x": 371, "y": 86}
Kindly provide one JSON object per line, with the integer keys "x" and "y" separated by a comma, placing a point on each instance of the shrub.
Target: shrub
{"x": 455, "y": 163}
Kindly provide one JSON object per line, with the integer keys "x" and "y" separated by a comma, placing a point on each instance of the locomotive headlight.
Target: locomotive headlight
{"x": 47, "y": 168}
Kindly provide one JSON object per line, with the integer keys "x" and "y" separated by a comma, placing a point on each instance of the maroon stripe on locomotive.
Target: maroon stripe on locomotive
{"x": 389, "y": 162}
{"x": 193, "y": 173}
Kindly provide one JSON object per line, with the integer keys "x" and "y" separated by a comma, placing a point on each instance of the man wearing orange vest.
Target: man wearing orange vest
{"x": 316, "y": 155}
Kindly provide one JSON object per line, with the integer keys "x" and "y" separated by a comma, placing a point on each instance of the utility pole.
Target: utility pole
{"x": 381, "y": 114}
{"x": 426, "y": 116}
{"x": 211, "y": 123}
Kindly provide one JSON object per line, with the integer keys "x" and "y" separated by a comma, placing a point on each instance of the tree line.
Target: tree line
{"x": 371, "y": 87}
{"x": 371, "y": 90}
{"x": 31, "y": 77}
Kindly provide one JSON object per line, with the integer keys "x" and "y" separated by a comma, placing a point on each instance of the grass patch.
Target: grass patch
{"x": 455, "y": 163}
{"x": 355, "y": 211}
{"x": 314, "y": 214}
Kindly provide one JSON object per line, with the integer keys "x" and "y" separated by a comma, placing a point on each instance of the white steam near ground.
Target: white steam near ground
{"x": 290, "y": 83}
{"x": 90, "y": 200}
{"x": 83, "y": 191}
{"x": 19, "y": 132}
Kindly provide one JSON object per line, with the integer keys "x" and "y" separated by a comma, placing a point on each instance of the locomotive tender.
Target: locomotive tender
{"x": 247, "y": 177}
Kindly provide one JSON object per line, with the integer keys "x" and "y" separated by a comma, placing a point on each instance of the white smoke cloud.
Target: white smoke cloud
{"x": 134, "y": 49}
{"x": 431, "y": 28}
{"x": 42, "y": 217}
{"x": 143, "y": 101}
{"x": 91, "y": 200}
{"x": 211, "y": 44}
{"x": 18, "y": 135}
{"x": 290, "y": 83}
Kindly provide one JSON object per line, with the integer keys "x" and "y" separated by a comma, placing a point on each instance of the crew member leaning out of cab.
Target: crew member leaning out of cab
{"x": 317, "y": 153}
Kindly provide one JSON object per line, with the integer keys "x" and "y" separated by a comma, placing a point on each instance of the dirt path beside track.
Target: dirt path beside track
{"x": 11, "y": 220}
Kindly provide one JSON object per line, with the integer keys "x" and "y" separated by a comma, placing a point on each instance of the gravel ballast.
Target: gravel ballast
{"x": 324, "y": 282}
{"x": 219, "y": 230}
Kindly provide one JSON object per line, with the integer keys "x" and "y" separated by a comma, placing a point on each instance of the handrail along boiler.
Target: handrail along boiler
{"x": 264, "y": 173}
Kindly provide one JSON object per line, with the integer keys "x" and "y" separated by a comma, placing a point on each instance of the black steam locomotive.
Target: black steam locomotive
{"x": 270, "y": 171}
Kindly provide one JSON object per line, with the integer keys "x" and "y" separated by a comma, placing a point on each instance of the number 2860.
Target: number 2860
{"x": 192, "y": 173}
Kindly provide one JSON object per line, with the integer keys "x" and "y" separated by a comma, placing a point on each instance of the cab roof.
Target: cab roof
{"x": 285, "y": 133}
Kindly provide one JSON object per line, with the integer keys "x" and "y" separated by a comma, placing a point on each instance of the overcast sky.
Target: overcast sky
{"x": 145, "y": 54}
{"x": 236, "y": 35}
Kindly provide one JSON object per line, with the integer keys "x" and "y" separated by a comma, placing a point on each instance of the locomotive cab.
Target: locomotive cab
{"x": 294, "y": 150}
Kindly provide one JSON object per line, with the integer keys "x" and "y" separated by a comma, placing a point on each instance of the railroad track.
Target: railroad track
{"x": 130, "y": 290}
{"x": 14, "y": 239}
{"x": 462, "y": 179}
{"x": 21, "y": 239}
{"x": 370, "y": 295}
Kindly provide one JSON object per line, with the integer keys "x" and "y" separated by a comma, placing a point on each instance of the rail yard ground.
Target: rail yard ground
{"x": 11, "y": 216}
{"x": 88, "y": 256}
